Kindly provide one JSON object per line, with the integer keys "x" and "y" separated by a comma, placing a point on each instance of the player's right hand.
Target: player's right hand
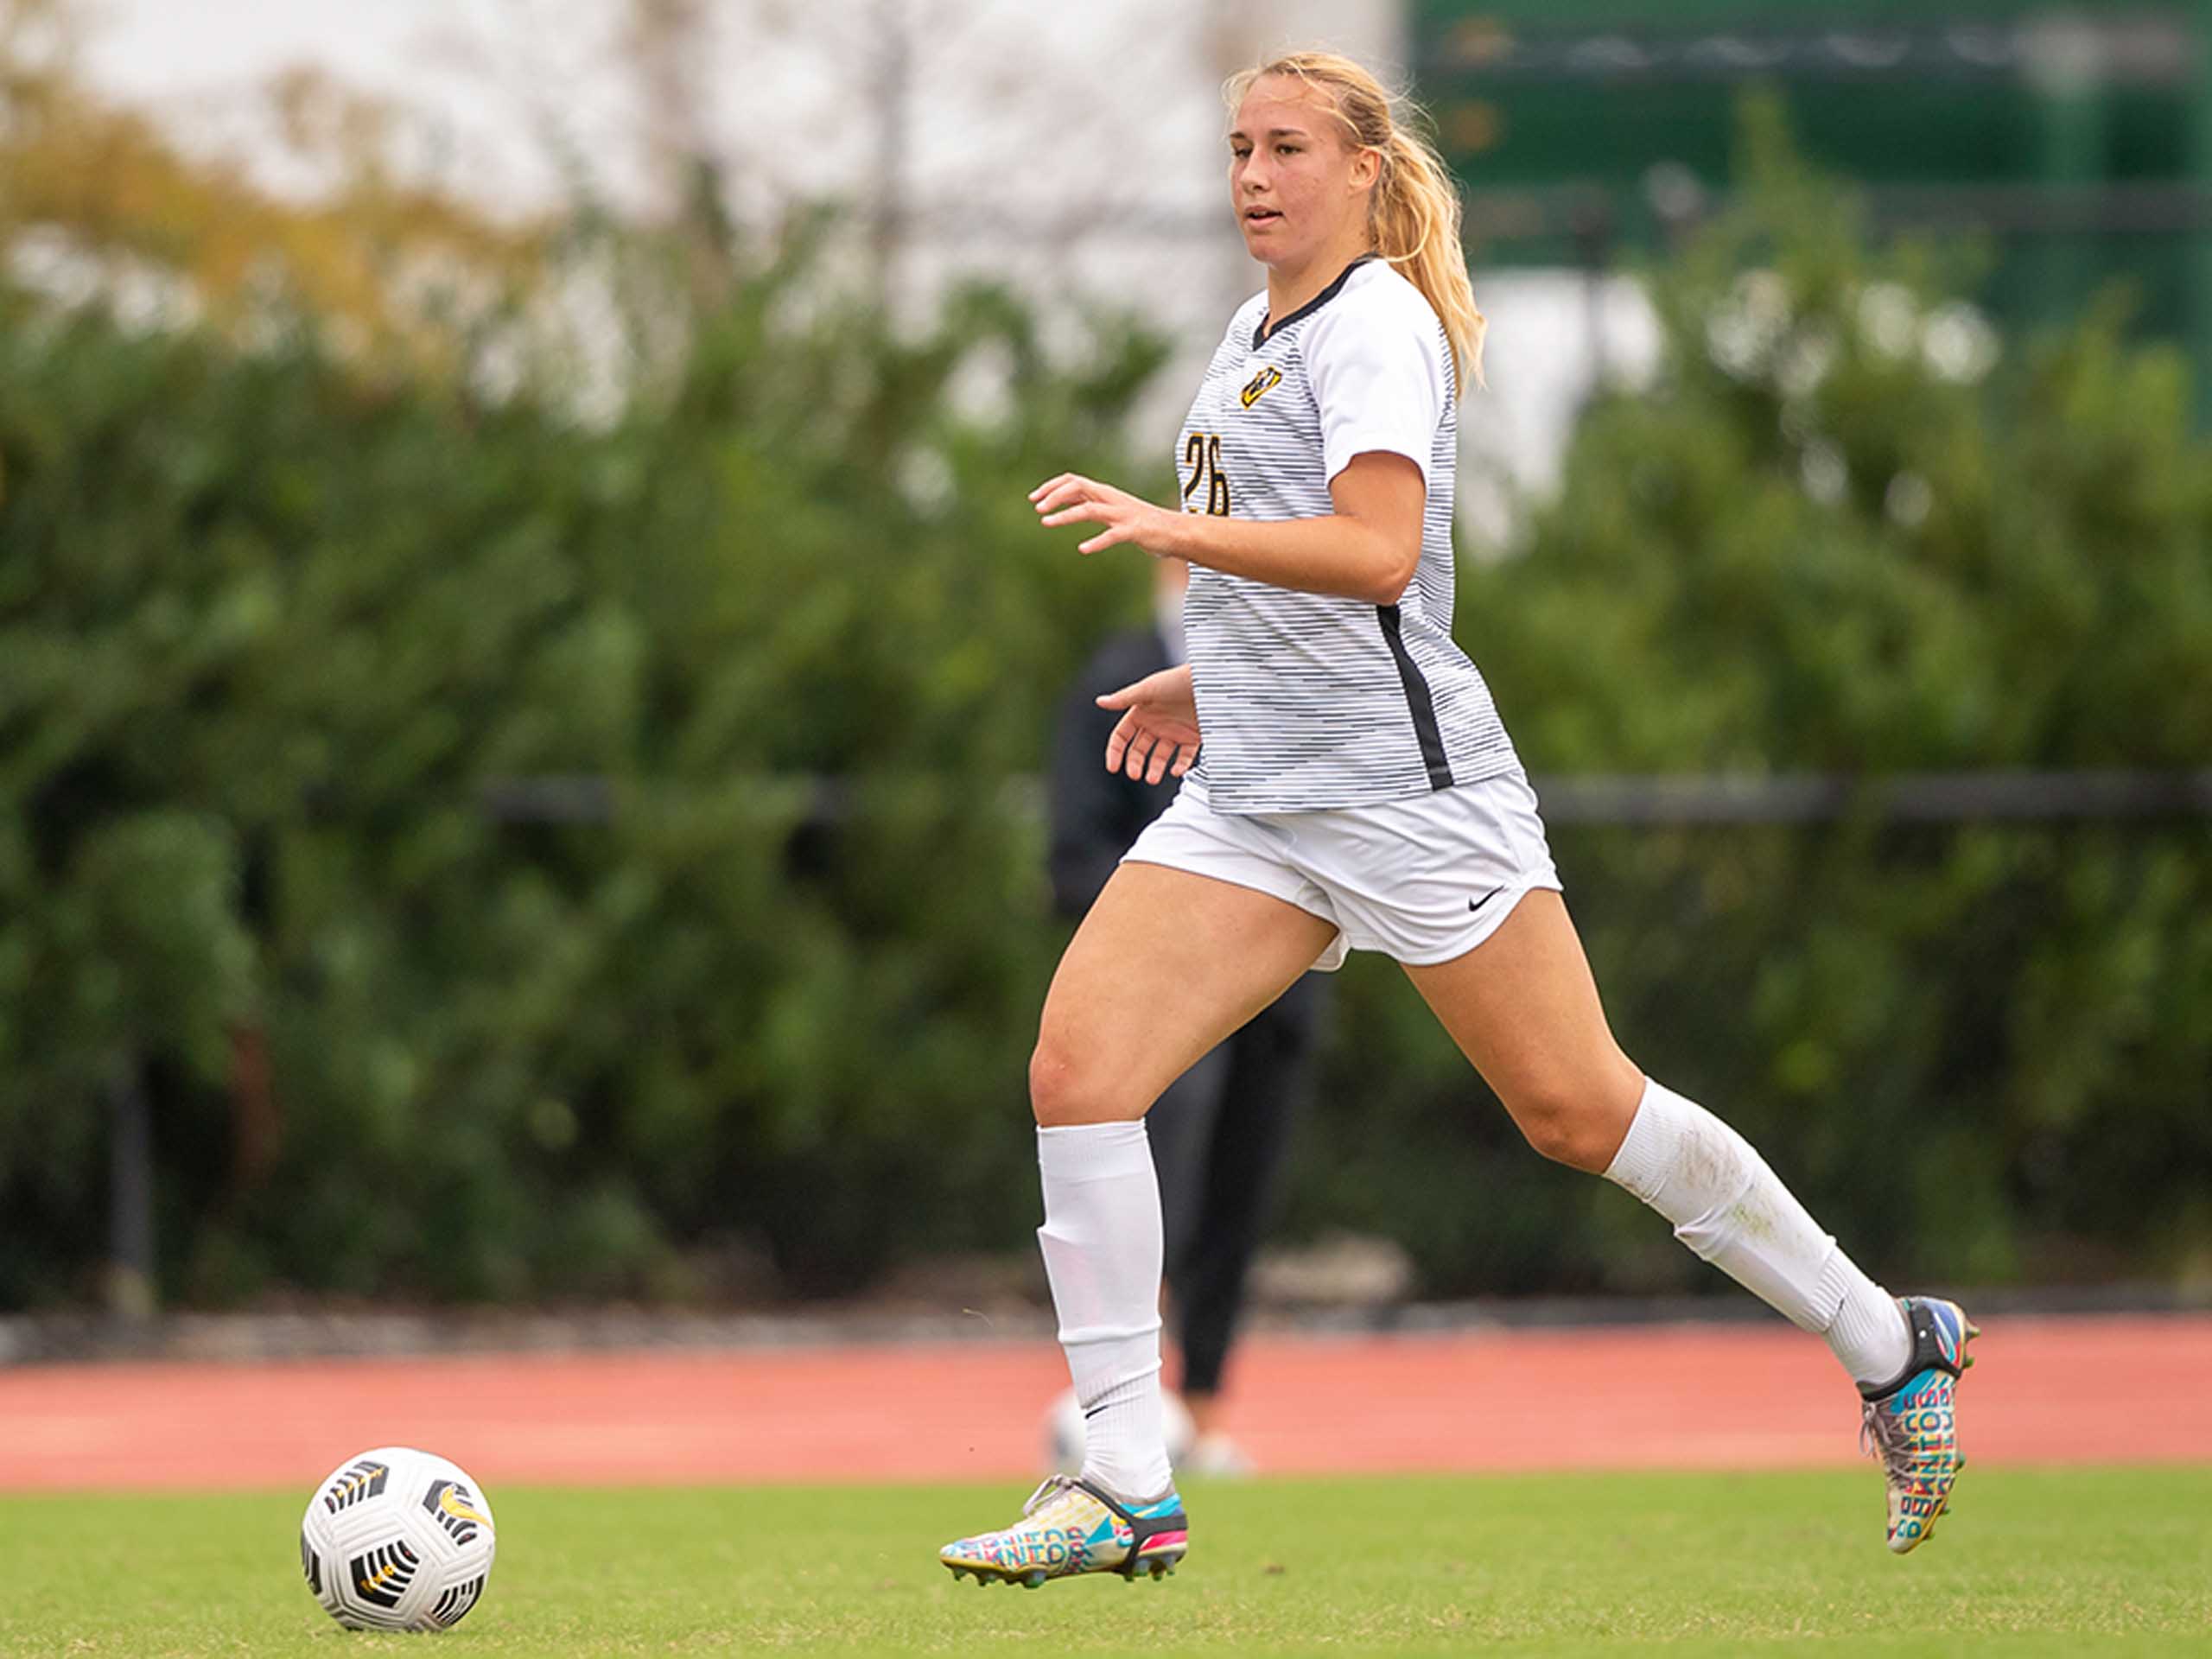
{"x": 1157, "y": 732}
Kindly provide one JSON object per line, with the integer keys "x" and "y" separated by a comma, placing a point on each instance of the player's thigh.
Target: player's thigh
{"x": 1523, "y": 1007}
{"x": 1165, "y": 965}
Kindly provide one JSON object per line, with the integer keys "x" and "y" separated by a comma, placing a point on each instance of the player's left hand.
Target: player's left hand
{"x": 1071, "y": 498}
{"x": 1158, "y": 734}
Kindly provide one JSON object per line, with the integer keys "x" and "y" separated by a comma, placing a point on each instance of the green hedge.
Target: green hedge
{"x": 271, "y": 624}
{"x": 1837, "y": 535}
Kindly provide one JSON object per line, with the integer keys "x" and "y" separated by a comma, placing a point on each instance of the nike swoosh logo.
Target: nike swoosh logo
{"x": 459, "y": 1511}
{"x": 1474, "y": 905}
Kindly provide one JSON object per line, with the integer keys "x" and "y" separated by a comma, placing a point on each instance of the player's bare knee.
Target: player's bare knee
{"x": 1567, "y": 1125}
{"x": 1577, "y": 1115}
{"x": 1063, "y": 1091}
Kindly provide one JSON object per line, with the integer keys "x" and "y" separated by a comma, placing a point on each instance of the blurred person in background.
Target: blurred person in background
{"x": 1220, "y": 1132}
{"x": 1356, "y": 787}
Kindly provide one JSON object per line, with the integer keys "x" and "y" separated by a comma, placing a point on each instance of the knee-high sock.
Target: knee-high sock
{"x": 1101, "y": 1244}
{"x": 1732, "y": 1209}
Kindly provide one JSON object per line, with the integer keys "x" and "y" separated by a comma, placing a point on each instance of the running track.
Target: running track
{"x": 1670, "y": 1397}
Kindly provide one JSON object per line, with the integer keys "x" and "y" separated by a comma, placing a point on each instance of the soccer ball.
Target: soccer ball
{"x": 397, "y": 1540}
{"x": 1063, "y": 1435}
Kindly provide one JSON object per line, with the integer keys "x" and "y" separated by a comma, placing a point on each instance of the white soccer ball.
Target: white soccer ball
{"x": 1063, "y": 1435}
{"x": 397, "y": 1540}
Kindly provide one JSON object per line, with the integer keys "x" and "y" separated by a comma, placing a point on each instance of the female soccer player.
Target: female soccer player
{"x": 1355, "y": 788}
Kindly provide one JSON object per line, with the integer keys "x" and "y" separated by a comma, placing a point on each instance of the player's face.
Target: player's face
{"x": 1296, "y": 186}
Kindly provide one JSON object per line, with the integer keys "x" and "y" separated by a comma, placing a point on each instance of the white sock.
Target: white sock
{"x": 1103, "y": 1249}
{"x": 1734, "y": 1210}
{"x": 1870, "y": 1335}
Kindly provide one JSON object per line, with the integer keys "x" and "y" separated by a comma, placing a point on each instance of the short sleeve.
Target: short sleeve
{"x": 1375, "y": 359}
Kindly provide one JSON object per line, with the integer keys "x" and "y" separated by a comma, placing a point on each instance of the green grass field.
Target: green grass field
{"x": 2042, "y": 1562}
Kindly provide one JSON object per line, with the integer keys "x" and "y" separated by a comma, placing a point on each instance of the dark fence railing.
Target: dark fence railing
{"x": 1608, "y": 798}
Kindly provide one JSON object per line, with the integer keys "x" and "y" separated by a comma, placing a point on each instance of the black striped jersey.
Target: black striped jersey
{"x": 1308, "y": 701}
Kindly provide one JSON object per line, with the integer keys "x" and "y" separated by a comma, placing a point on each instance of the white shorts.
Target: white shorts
{"x": 1422, "y": 881}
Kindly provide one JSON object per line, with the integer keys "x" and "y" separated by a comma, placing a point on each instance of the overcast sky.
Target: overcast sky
{"x": 1113, "y": 99}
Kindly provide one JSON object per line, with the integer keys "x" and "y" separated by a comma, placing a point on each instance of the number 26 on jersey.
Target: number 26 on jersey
{"x": 1203, "y": 456}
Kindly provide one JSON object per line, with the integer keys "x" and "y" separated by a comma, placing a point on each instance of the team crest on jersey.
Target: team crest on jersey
{"x": 453, "y": 1507}
{"x": 1260, "y": 385}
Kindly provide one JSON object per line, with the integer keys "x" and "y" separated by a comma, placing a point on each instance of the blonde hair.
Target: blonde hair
{"x": 1413, "y": 214}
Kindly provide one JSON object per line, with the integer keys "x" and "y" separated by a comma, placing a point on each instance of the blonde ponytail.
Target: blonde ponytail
{"x": 1414, "y": 211}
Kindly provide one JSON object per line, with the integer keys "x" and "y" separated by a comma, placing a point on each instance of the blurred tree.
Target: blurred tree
{"x": 107, "y": 199}
{"x": 275, "y": 621}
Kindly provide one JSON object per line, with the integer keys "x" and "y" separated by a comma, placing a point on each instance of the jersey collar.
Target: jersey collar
{"x": 1261, "y": 334}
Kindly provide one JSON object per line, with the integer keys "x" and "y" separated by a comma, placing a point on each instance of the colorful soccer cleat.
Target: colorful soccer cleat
{"x": 1912, "y": 1423}
{"x": 1069, "y": 1526}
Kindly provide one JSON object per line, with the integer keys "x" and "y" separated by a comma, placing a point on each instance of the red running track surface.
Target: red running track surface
{"x": 1670, "y": 1397}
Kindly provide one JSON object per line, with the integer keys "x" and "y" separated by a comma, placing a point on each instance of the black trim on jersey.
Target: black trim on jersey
{"x": 1260, "y": 334}
{"x": 1418, "y": 700}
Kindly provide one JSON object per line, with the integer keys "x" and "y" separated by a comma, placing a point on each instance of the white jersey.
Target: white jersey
{"x": 1308, "y": 701}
